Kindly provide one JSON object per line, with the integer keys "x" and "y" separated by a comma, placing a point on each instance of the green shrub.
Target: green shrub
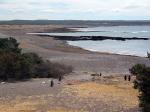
{"x": 148, "y": 54}
{"x": 9, "y": 45}
{"x": 50, "y": 69}
{"x": 142, "y": 83}
{"x": 17, "y": 66}
{"x": 13, "y": 66}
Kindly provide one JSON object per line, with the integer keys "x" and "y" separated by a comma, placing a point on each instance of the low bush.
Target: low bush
{"x": 142, "y": 83}
{"x": 14, "y": 66}
{"x": 51, "y": 69}
{"x": 17, "y": 65}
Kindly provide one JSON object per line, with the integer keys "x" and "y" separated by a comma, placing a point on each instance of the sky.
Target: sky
{"x": 75, "y": 9}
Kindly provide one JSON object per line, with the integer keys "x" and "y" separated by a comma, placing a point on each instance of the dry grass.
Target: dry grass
{"x": 124, "y": 94}
{"x": 33, "y": 104}
{"x": 23, "y": 104}
{"x": 64, "y": 110}
{"x": 79, "y": 97}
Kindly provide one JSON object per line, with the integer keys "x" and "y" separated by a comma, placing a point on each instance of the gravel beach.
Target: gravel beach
{"x": 78, "y": 92}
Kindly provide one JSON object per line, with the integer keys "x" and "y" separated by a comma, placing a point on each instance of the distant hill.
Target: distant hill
{"x": 76, "y": 22}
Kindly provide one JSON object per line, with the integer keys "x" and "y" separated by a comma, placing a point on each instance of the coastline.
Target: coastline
{"x": 132, "y": 45}
{"x": 77, "y": 90}
{"x": 59, "y": 51}
{"x": 111, "y": 52}
{"x": 65, "y": 41}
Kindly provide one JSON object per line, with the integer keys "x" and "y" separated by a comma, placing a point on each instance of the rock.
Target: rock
{"x": 3, "y": 82}
{"x": 43, "y": 82}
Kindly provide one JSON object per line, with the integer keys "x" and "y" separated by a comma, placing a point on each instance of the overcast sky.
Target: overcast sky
{"x": 75, "y": 9}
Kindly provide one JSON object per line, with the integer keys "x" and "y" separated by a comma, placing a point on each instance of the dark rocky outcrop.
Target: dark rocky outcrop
{"x": 95, "y": 38}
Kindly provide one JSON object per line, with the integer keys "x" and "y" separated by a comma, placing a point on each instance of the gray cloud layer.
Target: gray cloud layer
{"x": 75, "y": 9}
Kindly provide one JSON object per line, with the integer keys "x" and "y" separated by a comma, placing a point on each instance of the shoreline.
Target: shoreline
{"x": 77, "y": 91}
{"x": 94, "y": 38}
{"x": 108, "y": 53}
{"x": 59, "y": 51}
{"x": 79, "y": 38}
{"x": 91, "y": 51}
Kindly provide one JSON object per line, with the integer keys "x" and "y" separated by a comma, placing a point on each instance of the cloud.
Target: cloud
{"x": 74, "y": 8}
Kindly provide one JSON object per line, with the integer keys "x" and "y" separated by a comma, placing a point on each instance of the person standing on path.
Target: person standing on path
{"x": 129, "y": 78}
{"x": 60, "y": 78}
{"x": 51, "y": 83}
{"x": 125, "y": 77}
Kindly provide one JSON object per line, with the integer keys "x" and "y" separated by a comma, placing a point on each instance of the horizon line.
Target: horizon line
{"x": 77, "y": 20}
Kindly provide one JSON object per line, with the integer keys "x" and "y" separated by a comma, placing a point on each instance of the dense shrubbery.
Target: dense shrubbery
{"x": 49, "y": 69}
{"x": 9, "y": 45}
{"x": 148, "y": 54}
{"x": 142, "y": 83}
{"x": 16, "y": 65}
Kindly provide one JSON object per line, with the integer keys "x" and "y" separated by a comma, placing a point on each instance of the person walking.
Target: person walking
{"x": 60, "y": 78}
{"x": 100, "y": 74}
{"x": 125, "y": 77}
{"x": 51, "y": 83}
{"x": 129, "y": 78}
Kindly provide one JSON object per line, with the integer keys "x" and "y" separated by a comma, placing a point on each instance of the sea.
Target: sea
{"x": 128, "y": 47}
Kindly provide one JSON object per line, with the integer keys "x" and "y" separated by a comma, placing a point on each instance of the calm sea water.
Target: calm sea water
{"x": 113, "y": 31}
{"x": 129, "y": 47}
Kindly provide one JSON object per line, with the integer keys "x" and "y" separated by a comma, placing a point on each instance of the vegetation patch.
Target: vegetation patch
{"x": 106, "y": 93}
{"x": 23, "y": 104}
{"x": 15, "y": 65}
{"x": 142, "y": 83}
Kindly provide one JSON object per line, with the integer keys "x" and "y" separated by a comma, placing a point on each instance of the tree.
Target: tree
{"x": 9, "y": 45}
{"x": 14, "y": 66}
{"x": 142, "y": 83}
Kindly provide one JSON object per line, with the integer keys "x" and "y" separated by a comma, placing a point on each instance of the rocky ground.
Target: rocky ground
{"x": 79, "y": 91}
{"x": 59, "y": 51}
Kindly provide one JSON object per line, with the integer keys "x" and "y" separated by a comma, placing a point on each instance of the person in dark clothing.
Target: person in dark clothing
{"x": 60, "y": 78}
{"x": 129, "y": 78}
{"x": 125, "y": 77}
{"x": 100, "y": 74}
{"x": 52, "y": 83}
